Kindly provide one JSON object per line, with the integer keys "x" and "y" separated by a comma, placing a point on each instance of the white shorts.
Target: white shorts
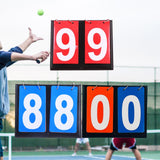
{"x": 82, "y": 140}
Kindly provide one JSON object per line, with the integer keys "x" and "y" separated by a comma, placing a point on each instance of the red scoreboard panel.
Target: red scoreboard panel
{"x": 99, "y": 118}
{"x": 65, "y": 42}
{"x": 97, "y": 42}
{"x": 81, "y": 45}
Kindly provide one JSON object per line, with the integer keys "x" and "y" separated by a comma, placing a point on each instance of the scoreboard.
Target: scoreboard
{"x": 81, "y": 110}
{"x": 56, "y": 111}
{"x": 116, "y": 111}
{"x": 81, "y": 45}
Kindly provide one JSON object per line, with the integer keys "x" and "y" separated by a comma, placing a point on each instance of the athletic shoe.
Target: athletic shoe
{"x": 74, "y": 154}
{"x": 90, "y": 154}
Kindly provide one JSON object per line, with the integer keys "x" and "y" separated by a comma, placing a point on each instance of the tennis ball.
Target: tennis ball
{"x": 40, "y": 12}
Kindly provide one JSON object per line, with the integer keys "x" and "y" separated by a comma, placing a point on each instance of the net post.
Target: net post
{"x": 9, "y": 135}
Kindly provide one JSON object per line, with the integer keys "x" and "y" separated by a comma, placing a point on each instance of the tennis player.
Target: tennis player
{"x": 6, "y": 59}
{"x": 117, "y": 143}
{"x": 82, "y": 141}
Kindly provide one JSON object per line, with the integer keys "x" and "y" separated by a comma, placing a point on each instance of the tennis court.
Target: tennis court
{"x": 82, "y": 155}
{"x": 63, "y": 157}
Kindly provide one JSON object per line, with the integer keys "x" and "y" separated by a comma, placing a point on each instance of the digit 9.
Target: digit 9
{"x": 101, "y": 45}
{"x": 71, "y": 45}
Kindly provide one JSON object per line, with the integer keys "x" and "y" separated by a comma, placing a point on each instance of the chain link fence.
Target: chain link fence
{"x": 121, "y": 75}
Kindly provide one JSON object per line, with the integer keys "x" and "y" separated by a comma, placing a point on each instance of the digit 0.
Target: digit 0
{"x": 71, "y": 45}
{"x": 32, "y": 110}
{"x": 106, "y": 112}
{"x": 125, "y": 112}
{"x": 101, "y": 45}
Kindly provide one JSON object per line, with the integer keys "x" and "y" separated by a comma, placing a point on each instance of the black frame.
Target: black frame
{"x": 115, "y": 118}
{"x": 47, "y": 133}
{"x": 81, "y": 65}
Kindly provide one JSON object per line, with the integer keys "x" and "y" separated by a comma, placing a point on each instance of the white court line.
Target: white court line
{"x": 94, "y": 157}
{"x": 132, "y": 157}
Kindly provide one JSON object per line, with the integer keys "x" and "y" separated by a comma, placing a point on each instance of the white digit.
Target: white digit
{"x": 137, "y": 112}
{"x": 102, "y": 44}
{"x": 106, "y": 112}
{"x": 35, "y": 110}
{"x": 71, "y": 44}
{"x": 62, "y": 110}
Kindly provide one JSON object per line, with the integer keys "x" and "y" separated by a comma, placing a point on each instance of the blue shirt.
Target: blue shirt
{"x": 5, "y": 57}
{"x": 5, "y": 61}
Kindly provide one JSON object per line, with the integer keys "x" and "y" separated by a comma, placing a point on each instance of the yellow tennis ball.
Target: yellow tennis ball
{"x": 40, "y": 12}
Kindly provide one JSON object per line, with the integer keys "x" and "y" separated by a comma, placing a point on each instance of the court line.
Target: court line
{"x": 130, "y": 157}
{"x": 93, "y": 157}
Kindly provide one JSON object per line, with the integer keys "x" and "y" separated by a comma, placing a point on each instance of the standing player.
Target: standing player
{"x": 6, "y": 59}
{"x": 117, "y": 143}
{"x": 80, "y": 141}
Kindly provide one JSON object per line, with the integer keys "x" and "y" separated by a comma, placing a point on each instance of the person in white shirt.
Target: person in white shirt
{"x": 82, "y": 141}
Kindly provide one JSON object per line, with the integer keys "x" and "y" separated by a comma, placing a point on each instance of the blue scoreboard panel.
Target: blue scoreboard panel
{"x": 48, "y": 111}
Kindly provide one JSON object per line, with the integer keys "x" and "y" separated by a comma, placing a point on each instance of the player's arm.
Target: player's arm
{"x": 0, "y": 45}
{"x": 32, "y": 38}
{"x": 41, "y": 55}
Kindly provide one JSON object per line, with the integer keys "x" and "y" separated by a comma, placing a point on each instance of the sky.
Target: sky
{"x": 136, "y": 30}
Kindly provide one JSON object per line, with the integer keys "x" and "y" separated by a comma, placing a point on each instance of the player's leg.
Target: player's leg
{"x": 86, "y": 141}
{"x": 131, "y": 143}
{"x": 89, "y": 148}
{"x": 115, "y": 145}
{"x": 109, "y": 154}
{"x": 75, "y": 149}
{"x": 137, "y": 154}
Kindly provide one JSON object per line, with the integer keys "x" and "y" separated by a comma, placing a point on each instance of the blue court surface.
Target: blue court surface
{"x": 66, "y": 157}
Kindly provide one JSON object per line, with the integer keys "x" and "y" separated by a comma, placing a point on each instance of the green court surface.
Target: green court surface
{"x": 146, "y": 155}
